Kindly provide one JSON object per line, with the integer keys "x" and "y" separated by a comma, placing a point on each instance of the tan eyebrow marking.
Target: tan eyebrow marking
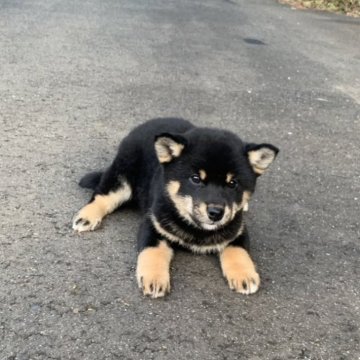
{"x": 202, "y": 174}
{"x": 229, "y": 177}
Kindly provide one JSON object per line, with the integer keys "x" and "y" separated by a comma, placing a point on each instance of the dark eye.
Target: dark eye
{"x": 195, "y": 178}
{"x": 232, "y": 184}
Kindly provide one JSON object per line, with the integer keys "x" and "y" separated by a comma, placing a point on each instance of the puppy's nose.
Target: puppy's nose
{"x": 215, "y": 212}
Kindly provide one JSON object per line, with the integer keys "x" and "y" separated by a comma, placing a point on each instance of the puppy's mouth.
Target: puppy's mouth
{"x": 209, "y": 225}
{"x": 212, "y": 226}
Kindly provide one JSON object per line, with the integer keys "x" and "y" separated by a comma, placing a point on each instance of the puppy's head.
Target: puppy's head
{"x": 210, "y": 174}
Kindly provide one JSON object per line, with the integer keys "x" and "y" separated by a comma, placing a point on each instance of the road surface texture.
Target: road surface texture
{"x": 76, "y": 76}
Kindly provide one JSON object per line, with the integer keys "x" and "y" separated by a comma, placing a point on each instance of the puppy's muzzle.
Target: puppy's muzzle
{"x": 215, "y": 212}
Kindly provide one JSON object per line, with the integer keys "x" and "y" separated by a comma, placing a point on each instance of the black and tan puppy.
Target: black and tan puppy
{"x": 192, "y": 185}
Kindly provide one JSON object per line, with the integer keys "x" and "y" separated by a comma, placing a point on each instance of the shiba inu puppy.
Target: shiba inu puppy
{"x": 192, "y": 185}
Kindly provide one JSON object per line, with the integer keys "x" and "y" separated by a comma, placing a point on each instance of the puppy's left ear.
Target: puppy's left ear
{"x": 260, "y": 156}
{"x": 169, "y": 146}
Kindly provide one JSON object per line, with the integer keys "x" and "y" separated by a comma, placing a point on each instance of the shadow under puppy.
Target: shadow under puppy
{"x": 192, "y": 185}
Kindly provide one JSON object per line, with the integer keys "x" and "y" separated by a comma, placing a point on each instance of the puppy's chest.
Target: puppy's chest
{"x": 213, "y": 242}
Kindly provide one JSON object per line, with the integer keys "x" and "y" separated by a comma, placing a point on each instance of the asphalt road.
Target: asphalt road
{"x": 76, "y": 76}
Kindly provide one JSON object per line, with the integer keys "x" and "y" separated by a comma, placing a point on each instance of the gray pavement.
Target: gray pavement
{"x": 76, "y": 76}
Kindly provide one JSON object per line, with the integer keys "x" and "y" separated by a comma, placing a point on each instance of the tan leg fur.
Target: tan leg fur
{"x": 153, "y": 270}
{"x": 91, "y": 215}
{"x": 239, "y": 270}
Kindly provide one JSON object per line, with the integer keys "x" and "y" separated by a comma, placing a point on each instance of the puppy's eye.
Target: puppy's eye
{"x": 195, "y": 178}
{"x": 232, "y": 184}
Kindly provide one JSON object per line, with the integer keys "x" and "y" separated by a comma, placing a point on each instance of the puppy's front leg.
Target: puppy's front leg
{"x": 153, "y": 263}
{"x": 112, "y": 191}
{"x": 238, "y": 268}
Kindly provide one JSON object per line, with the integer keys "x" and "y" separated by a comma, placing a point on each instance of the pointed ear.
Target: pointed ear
{"x": 169, "y": 146}
{"x": 260, "y": 156}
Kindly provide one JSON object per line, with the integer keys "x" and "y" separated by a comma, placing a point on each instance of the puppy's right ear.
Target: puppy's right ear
{"x": 260, "y": 156}
{"x": 169, "y": 146}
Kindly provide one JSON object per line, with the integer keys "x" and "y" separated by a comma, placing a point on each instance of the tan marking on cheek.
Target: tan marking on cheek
{"x": 244, "y": 204}
{"x": 246, "y": 196}
{"x": 227, "y": 214}
{"x": 91, "y": 215}
{"x": 200, "y": 213}
{"x": 202, "y": 174}
{"x": 183, "y": 204}
{"x": 153, "y": 270}
{"x": 202, "y": 209}
{"x": 245, "y": 200}
{"x": 173, "y": 187}
{"x": 229, "y": 177}
{"x": 239, "y": 270}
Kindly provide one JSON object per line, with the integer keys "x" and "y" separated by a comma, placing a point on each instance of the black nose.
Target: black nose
{"x": 215, "y": 213}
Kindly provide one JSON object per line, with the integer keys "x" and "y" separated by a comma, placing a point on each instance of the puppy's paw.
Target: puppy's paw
{"x": 154, "y": 283}
{"x": 243, "y": 281}
{"x": 153, "y": 270}
{"x": 88, "y": 218}
{"x": 239, "y": 270}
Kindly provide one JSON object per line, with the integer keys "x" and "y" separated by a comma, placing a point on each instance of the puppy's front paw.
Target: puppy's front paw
{"x": 154, "y": 282}
{"x": 239, "y": 270}
{"x": 88, "y": 218}
{"x": 153, "y": 270}
{"x": 243, "y": 281}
